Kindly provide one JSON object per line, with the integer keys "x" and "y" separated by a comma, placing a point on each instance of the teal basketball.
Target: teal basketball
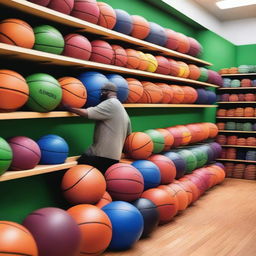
{"x": 48, "y": 39}
{"x": 235, "y": 83}
{"x": 190, "y": 159}
{"x": 243, "y": 69}
{"x": 204, "y": 75}
{"x": 5, "y": 155}
{"x": 201, "y": 156}
{"x": 158, "y": 140}
{"x": 44, "y": 92}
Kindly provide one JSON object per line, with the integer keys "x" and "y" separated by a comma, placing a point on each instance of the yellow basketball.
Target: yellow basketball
{"x": 152, "y": 62}
{"x": 184, "y": 69}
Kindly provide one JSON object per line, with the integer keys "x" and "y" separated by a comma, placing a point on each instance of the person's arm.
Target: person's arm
{"x": 79, "y": 111}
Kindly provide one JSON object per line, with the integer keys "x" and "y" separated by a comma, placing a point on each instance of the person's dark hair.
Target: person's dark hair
{"x": 109, "y": 87}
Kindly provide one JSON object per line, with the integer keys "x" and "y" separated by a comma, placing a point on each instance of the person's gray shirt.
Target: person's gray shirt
{"x": 112, "y": 127}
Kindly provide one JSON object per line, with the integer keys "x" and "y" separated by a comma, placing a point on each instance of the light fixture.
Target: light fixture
{"x": 227, "y": 4}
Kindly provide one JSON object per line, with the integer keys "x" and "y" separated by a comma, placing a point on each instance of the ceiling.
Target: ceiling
{"x": 244, "y": 12}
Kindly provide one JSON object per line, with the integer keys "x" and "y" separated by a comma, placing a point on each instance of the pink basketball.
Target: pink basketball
{"x": 40, "y": 2}
{"x": 172, "y": 39}
{"x": 101, "y": 52}
{"x": 120, "y": 56}
{"x": 164, "y": 66}
{"x": 62, "y": 6}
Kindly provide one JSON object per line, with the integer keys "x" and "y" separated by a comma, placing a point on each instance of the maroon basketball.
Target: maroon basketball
{"x": 101, "y": 52}
{"x": 26, "y": 153}
{"x": 124, "y": 182}
{"x": 77, "y": 46}
{"x": 120, "y": 56}
{"x": 164, "y": 66}
{"x": 87, "y": 10}
{"x": 195, "y": 47}
{"x": 62, "y": 6}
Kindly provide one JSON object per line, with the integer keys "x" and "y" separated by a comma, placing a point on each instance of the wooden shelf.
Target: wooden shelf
{"x": 235, "y": 117}
{"x": 245, "y": 74}
{"x": 238, "y": 146}
{"x": 127, "y": 161}
{"x": 168, "y": 106}
{"x": 237, "y": 102}
{"x": 237, "y": 160}
{"x": 227, "y": 131}
{"x": 236, "y": 88}
{"x": 78, "y": 24}
{"x": 12, "y": 51}
{"x": 39, "y": 169}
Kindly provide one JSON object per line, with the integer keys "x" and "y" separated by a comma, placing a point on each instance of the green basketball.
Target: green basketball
{"x": 243, "y": 69}
{"x": 201, "y": 156}
{"x": 157, "y": 138}
{"x": 230, "y": 126}
{"x": 48, "y": 39}
{"x": 5, "y": 155}
{"x": 44, "y": 92}
{"x": 247, "y": 126}
{"x": 204, "y": 75}
{"x": 235, "y": 83}
{"x": 190, "y": 159}
{"x": 239, "y": 126}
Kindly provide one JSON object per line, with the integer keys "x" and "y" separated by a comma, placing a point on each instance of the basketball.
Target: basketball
{"x": 166, "y": 167}
{"x": 16, "y": 240}
{"x": 106, "y": 199}
{"x": 151, "y": 94}
{"x": 124, "y": 182}
{"x": 124, "y": 22}
{"x": 184, "y": 69}
{"x": 87, "y": 10}
{"x": 167, "y": 93}
{"x": 195, "y": 48}
{"x": 140, "y": 28}
{"x": 193, "y": 187}
{"x": 77, "y": 46}
{"x": 152, "y": 63}
{"x": 168, "y": 138}
{"x": 163, "y": 65}
{"x": 6, "y": 155}
{"x": 205, "y": 130}
{"x": 178, "y": 94}
{"x": 156, "y": 35}
{"x": 74, "y": 93}
{"x": 61, "y": 6}
{"x": 133, "y": 58}
{"x": 204, "y": 75}
{"x": 135, "y": 90}
{"x": 101, "y": 52}
{"x": 26, "y": 153}
{"x": 40, "y": 2}
{"x": 45, "y": 92}
{"x": 177, "y": 135}
{"x": 194, "y": 72}
{"x": 186, "y": 134}
{"x": 189, "y": 158}
{"x": 183, "y": 45}
{"x": 202, "y": 96}
{"x": 201, "y": 156}
{"x": 196, "y": 132}
{"x": 144, "y": 62}
{"x": 138, "y": 145}
{"x": 14, "y": 90}
{"x": 163, "y": 201}
{"x": 174, "y": 67}
{"x": 119, "y": 57}
{"x": 107, "y": 17}
{"x": 158, "y": 140}
{"x": 92, "y": 220}
{"x": 181, "y": 195}
{"x": 48, "y": 39}
{"x": 190, "y": 94}
{"x": 213, "y": 130}
{"x": 83, "y": 184}
{"x": 187, "y": 189}
{"x": 172, "y": 39}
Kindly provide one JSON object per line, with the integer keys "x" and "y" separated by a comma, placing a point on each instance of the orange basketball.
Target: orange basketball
{"x": 17, "y": 32}
{"x": 152, "y": 93}
{"x": 83, "y": 184}
{"x": 120, "y": 56}
{"x": 187, "y": 189}
{"x": 95, "y": 227}
{"x": 167, "y": 92}
{"x": 74, "y": 92}
{"x": 220, "y": 172}
{"x": 141, "y": 27}
{"x": 168, "y": 139}
{"x": 138, "y": 145}
{"x": 186, "y": 134}
{"x": 133, "y": 58}
{"x": 213, "y": 130}
{"x": 106, "y": 199}
{"x": 164, "y": 203}
{"x": 196, "y": 132}
{"x": 16, "y": 240}
{"x": 216, "y": 176}
{"x": 206, "y": 130}
{"x": 14, "y": 90}
{"x": 183, "y": 45}
{"x": 144, "y": 63}
{"x": 135, "y": 89}
{"x": 178, "y": 94}
{"x": 193, "y": 187}
{"x": 184, "y": 69}
{"x": 194, "y": 72}
{"x": 174, "y": 67}
{"x": 107, "y": 16}
{"x": 190, "y": 94}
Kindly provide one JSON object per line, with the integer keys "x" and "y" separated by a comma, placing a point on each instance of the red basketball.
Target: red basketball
{"x": 107, "y": 17}
{"x": 144, "y": 62}
{"x": 167, "y": 93}
{"x": 141, "y": 27}
{"x": 124, "y": 182}
{"x": 62, "y": 6}
{"x": 194, "y": 72}
{"x": 190, "y": 94}
{"x": 184, "y": 44}
{"x": 181, "y": 195}
{"x": 83, "y": 184}
{"x": 133, "y": 58}
{"x": 213, "y": 130}
{"x": 77, "y": 46}
{"x": 101, "y": 52}
{"x": 168, "y": 139}
{"x": 135, "y": 89}
{"x": 178, "y": 94}
{"x": 119, "y": 57}
{"x": 166, "y": 167}
{"x": 106, "y": 199}
{"x": 152, "y": 93}
{"x": 172, "y": 39}
{"x": 177, "y": 135}
{"x": 138, "y": 145}
{"x": 186, "y": 134}
{"x": 174, "y": 67}
{"x": 164, "y": 66}
{"x": 87, "y": 10}
{"x": 164, "y": 202}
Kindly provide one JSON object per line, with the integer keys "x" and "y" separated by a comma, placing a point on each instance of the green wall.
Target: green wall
{"x": 246, "y": 54}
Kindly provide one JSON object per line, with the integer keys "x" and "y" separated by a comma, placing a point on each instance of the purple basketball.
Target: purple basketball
{"x": 216, "y": 148}
{"x": 254, "y": 127}
{"x": 220, "y": 165}
{"x": 55, "y": 231}
{"x": 225, "y": 97}
{"x": 211, "y": 76}
{"x": 211, "y": 97}
{"x": 195, "y": 47}
{"x": 202, "y": 96}
{"x": 26, "y": 153}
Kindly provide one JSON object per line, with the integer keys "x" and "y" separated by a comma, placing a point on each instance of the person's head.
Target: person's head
{"x": 108, "y": 90}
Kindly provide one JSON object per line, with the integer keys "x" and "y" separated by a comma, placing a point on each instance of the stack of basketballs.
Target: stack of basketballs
{"x": 242, "y": 69}
{"x": 242, "y": 154}
{"x": 23, "y": 153}
{"x": 237, "y": 112}
{"x": 235, "y": 97}
{"x": 236, "y": 126}
{"x": 235, "y": 140}
{"x": 240, "y": 171}
{"x": 236, "y": 83}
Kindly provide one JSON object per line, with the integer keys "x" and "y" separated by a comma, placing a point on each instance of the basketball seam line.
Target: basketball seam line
{"x": 13, "y": 76}
{"x": 24, "y": 147}
{"x": 96, "y": 53}
{"x": 74, "y": 94}
{"x": 9, "y": 224}
{"x": 49, "y": 45}
{"x": 125, "y": 193}
{"x": 85, "y": 13}
{"x": 53, "y": 151}
{"x": 16, "y": 253}
{"x": 93, "y": 222}
{"x": 11, "y": 89}
{"x": 117, "y": 168}
{"x": 101, "y": 15}
{"x": 97, "y": 252}
{"x": 125, "y": 179}
{"x": 33, "y": 81}
{"x": 69, "y": 7}
{"x": 22, "y": 24}
{"x": 5, "y": 159}
{"x": 30, "y": 97}
{"x": 5, "y": 150}
{"x": 8, "y": 38}
{"x": 78, "y": 47}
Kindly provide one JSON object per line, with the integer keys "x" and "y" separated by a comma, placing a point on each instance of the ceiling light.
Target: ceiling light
{"x": 226, "y": 4}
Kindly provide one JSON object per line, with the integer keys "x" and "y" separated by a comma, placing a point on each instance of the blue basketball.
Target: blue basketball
{"x": 93, "y": 82}
{"x": 121, "y": 84}
{"x": 127, "y": 224}
{"x": 179, "y": 162}
{"x": 211, "y": 97}
{"x": 202, "y": 96}
{"x": 150, "y": 172}
{"x": 124, "y": 22}
{"x": 156, "y": 35}
{"x": 54, "y": 149}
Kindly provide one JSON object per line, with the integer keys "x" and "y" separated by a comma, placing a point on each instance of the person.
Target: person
{"x": 112, "y": 127}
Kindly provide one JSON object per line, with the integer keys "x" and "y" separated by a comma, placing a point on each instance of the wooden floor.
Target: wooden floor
{"x": 221, "y": 223}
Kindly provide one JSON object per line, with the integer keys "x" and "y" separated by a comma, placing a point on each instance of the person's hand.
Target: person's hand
{"x": 66, "y": 107}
